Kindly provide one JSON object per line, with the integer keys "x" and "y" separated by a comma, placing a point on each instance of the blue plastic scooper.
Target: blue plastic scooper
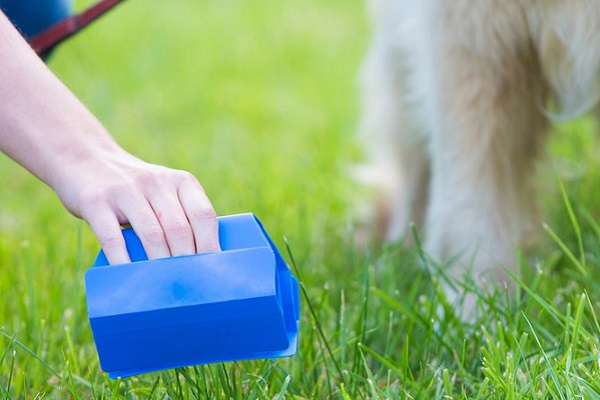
{"x": 239, "y": 304}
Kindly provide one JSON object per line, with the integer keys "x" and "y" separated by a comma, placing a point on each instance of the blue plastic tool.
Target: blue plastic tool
{"x": 238, "y": 304}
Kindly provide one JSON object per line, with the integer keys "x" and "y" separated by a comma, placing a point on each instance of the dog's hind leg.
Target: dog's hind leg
{"x": 490, "y": 129}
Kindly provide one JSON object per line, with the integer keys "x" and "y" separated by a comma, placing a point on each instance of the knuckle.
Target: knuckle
{"x": 148, "y": 178}
{"x": 178, "y": 227}
{"x": 109, "y": 241}
{"x": 93, "y": 198}
{"x": 152, "y": 234}
{"x": 188, "y": 178}
{"x": 203, "y": 212}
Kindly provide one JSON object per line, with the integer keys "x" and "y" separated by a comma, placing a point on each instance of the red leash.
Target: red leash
{"x": 47, "y": 39}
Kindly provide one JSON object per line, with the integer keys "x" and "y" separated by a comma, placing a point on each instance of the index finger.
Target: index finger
{"x": 107, "y": 229}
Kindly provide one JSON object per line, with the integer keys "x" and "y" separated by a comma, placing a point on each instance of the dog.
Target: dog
{"x": 458, "y": 98}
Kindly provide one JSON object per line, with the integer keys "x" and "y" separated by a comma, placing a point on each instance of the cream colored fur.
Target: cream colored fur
{"x": 457, "y": 99}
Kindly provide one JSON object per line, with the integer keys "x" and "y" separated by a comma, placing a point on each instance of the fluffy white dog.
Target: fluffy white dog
{"x": 458, "y": 95}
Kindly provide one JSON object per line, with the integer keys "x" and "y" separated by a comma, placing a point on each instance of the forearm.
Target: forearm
{"x": 43, "y": 126}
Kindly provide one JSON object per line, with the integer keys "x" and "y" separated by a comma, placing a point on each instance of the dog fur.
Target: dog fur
{"x": 458, "y": 97}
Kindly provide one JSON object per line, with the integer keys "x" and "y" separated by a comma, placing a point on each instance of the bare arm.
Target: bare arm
{"x": 47, "y": 130}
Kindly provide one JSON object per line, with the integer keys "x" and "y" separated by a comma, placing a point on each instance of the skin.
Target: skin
{"x": 48, "y": 131}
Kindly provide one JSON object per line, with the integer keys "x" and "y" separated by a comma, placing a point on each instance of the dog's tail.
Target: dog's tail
{"x": 567, "y": 38}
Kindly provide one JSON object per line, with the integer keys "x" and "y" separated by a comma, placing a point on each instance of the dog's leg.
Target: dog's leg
{"x": 489, "y": 131}
{"x": 398, "y": 160}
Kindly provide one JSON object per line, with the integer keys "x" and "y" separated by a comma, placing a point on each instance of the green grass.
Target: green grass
{"x": 259, "y": 100}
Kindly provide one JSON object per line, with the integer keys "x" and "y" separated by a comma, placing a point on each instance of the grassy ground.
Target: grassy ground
{"x": 259, "y": 100}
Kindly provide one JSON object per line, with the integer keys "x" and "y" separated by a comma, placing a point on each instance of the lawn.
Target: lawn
{"x": 260, "y": 101}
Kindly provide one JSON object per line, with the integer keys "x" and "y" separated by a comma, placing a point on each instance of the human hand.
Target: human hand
{"x": 168, "y": 209}
{"x": 46, "y": 129}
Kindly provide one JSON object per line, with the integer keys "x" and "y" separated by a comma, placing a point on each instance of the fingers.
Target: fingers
{"x": 184, "y": 213}
{"x": 201, "y": 215}
{"x": 168, "y": 209}
{"x": 172, "y": 217}
{"x": 107, "y": 229}
{"x": 137, "y": 211}
{"x": 105, "y": 219}
{"x": 175, "y": 226}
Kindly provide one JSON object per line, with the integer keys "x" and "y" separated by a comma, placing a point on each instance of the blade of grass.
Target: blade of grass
{"x": 14, "y": 341}
{"x": 574, "y": 224}
{"x": 565, "y": 250}
{"x": 386, "y": 362}
{"x": 314, "y": 314}
{"x": 551, "y": 372}
{"x": 286, "y": 382}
